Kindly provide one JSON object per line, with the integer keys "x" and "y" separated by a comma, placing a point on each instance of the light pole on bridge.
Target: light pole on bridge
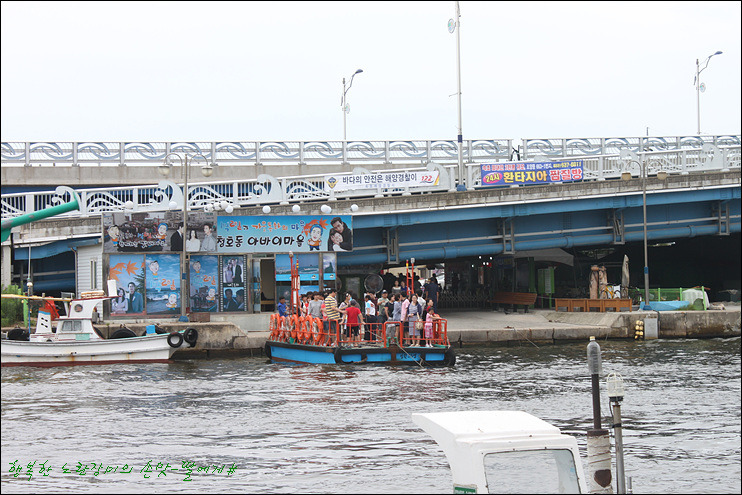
{"x": 455, "y": 25}
{"x": 661, "y": 176}
{"x": 699, "y": 87}
{"x": 206, "y": 170}
{"x": 344, "y": 101}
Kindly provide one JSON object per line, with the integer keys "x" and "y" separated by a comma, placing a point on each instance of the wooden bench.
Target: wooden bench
{"x": 587, "y": 305}
{"x": 514, "y": 299}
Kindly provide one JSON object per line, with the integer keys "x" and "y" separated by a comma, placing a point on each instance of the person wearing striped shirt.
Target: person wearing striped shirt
{"x": 333, "y": 314}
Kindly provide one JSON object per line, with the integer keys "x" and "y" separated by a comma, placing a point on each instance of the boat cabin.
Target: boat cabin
{"x": 505, "y": 452}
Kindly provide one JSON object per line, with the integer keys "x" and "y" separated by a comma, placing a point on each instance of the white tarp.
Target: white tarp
{"x": 555, "y": 254}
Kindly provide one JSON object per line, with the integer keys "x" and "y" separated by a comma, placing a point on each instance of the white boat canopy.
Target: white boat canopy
{"x": 505, "y": 452}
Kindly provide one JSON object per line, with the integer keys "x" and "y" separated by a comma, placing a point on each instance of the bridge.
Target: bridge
{"x": 692, "y": 187}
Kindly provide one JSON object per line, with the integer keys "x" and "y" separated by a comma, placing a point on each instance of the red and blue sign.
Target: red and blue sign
{"x": 524, "y": 173}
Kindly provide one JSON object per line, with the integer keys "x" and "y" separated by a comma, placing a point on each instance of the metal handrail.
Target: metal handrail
{"x": 266, "y": 189}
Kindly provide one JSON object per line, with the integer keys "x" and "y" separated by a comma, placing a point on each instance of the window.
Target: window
{"x": 533, "y": 471}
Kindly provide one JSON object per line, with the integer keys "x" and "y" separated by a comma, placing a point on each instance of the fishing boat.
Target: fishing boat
{"x": 76, "y": 341}
{"x": 505, "y": 452}
{"x": 306, "y": 339}
{"x": 299, "y": 339}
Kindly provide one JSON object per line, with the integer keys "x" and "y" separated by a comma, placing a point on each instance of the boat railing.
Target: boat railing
{"x": 439, "y": 334}
{"x": 310, "y": 330}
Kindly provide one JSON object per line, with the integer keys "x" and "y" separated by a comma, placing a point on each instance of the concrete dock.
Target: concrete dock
{"x": 247, "y": 336}
{"x": 228, "y": 335}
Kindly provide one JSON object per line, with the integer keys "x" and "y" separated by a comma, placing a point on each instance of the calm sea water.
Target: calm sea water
{"x": 331, "y": 429}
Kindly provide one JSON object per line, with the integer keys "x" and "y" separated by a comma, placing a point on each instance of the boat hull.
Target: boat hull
{"x": 146, "y": 349}
{"x": 313, "y": 354}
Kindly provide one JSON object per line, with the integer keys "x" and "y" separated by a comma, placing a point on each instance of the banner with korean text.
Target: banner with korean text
{"x": 524, "y": 173}
{"x": 382, "y": 180}
{"x": 282, "y": 234}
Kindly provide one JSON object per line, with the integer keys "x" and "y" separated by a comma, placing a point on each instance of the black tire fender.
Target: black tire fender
{"x": 175, "y": 340}
{"x": 267, "y": 350}
{"x": 338, "y": 356}
{"x": 191, "y": 336}
{"x": 122, "y": 333}
{"x": 18, "y": 334}
{"x": 449, "y": 358}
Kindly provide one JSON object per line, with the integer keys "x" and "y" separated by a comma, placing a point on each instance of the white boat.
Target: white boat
{"x": 505, "y": 452}
{"x": 76, "y": 341}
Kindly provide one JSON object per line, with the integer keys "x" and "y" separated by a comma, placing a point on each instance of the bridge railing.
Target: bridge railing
{"x": 707, "y": 158}
{"x": 572, "y": 147}
{"x": 266, "y": 189}
{"x": 253, "y": 152}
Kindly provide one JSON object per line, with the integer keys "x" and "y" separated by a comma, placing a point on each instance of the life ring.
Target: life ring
{"x": 305, "y": 329}
{"x": 301, "y": 328}
{"x": 316, "y": 329}
{"x": 191, "y": 336}
{"x": 272, "y": 327}
{"x": 175, "y": 340}
{"x": 293, "y": 324}
{"x": 267, "y": 350}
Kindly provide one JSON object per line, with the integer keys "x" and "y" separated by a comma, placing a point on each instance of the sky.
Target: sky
{"x": 260, "y": 71}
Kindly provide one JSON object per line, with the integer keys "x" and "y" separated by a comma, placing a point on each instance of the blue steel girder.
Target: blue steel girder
{"x": 463, "y": 232}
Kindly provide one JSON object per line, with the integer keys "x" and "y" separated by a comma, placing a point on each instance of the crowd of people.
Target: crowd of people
{"x": 409, "y": 315}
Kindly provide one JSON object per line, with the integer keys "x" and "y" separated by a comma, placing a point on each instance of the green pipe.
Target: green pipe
{"x": 8, "y": 224}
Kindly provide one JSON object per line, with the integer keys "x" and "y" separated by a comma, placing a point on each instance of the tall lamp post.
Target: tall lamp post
{"x": 185, "y": 162}
{"x": 344, "y": 100}
{"x": 697, "y": 82}
{"x": 453, "y": 24}
{"x": 661, "y": 176}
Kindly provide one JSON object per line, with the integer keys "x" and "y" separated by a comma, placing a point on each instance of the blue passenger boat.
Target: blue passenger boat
{"x": 307, "y": 339}
{"x": 298, "y": 339}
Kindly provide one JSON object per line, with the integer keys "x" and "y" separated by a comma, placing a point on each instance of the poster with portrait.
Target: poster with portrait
{"x": 202, "y": 233}
{"x": 127, "y": 270}
{"x": 142, "y": 232}
{"x": 162, "y": 283}
{"x": 232, "y": 270}
{"x": 282, "y": 234}
{"x": 204, "y": 283}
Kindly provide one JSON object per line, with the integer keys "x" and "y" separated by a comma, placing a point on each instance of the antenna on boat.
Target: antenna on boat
{"x": 294, "y": 304}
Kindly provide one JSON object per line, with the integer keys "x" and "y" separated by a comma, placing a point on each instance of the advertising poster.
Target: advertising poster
{"x": 308, "y": 267}
{"x": 128, "y": 272}
{"x": 158, "y": 231}
{"x": 232, "y": 269}
{"x": 329, "y": 264}
{"x": 526, "y": 173}
{"x": 163, "y": 283}
{"x": 204, "y": 283}
{"x": 137, "y": 232}
{"x": 383, "y": 180}
{"x": 281, "y": 234}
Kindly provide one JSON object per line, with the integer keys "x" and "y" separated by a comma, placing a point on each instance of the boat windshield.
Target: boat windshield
{"x": 531, "y": 471}
{"x": 69, "y": 326}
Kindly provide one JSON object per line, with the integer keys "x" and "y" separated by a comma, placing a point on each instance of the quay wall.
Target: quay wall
{"x": 247, "y": 334}
{"x": 227, "y": 335}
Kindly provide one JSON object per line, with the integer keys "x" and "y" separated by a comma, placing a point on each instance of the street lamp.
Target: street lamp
{"x": 697, "y": 82}
{"x": 206, "y": 170}
{"x": 455, "y": 25}
{"x": 661, "y": 176}
{"x": 344, "y": 100}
